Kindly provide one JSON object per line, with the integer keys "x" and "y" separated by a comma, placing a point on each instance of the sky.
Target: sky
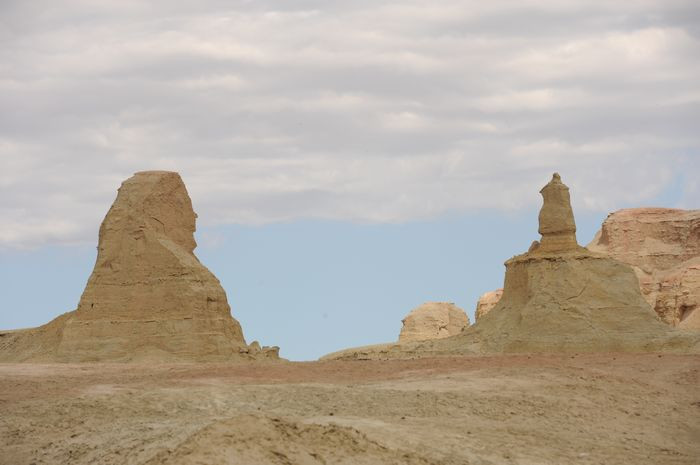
{"x": 347, "y": 160}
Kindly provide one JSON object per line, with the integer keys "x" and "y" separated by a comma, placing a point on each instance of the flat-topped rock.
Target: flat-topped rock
{"x": 650, "y": 238}
{"x": 663, "y": 247}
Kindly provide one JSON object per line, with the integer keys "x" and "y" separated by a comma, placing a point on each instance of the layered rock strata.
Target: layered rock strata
{"x": 433, "y": 320}
{"x": 148, "y": 297}
{"x": 663, "y": 247}
{"x": 557, "y": 297}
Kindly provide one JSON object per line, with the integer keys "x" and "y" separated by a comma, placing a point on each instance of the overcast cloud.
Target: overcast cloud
{"x": 349, "y": 110}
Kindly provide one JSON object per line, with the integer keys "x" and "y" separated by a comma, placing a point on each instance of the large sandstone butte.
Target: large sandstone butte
{"x": 663, "y": 247}
{"x": 148, "y": 297}
{"x": 433, "y": 320}
{"x": 557, "y": 297}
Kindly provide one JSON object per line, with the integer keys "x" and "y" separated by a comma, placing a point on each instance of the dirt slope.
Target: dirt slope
{"x": 605, "y": 409}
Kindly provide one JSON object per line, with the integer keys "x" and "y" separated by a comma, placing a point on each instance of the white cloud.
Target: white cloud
{"x": 361, "y": 111}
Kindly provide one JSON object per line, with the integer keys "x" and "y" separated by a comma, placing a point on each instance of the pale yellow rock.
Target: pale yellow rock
{"x": 148, "y": 297}
{"x": 556, "y": 219}
{"x": 486, "y": 302}
{"x": 433, "y": 320}
{"x": 663, "y": 247}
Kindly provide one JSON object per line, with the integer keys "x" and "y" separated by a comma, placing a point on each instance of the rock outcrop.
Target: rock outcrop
{"x": 557, "y": 297}
{"x": 148, "y": 297}
{"x": 663, "y": 247}
{"x": 433, "y": 320}
{"x": 556, "y": 219}
{"x": 487, "y": 301}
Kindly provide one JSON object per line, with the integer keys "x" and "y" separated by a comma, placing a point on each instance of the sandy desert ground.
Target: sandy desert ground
{"x": 510, "y": 409}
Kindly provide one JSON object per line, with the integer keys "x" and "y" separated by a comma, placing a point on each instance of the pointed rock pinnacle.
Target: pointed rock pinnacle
{"x": 557, "y": 225}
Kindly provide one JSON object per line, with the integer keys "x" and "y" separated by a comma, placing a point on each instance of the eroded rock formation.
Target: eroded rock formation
{"x": 663, "y": 247}
{"x": 561, "y": 297}
{"x": 148, "y": 296}
{"x": 557, "y": 297}
{"x": 433, "y": 320}
{"x": 486, "y": 302}
{"x": 556, "y": 219}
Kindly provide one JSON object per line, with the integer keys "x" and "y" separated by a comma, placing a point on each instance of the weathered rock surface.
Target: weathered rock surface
{"x": 650, "y": 238}
{"x": 556, "y": 219}
{"x": 148, "y": 297}
{"x": 663, "y": 247}
{"x": 433, "y": 320}
{"x": 486, "y": 302}
{"x": 557, "y": 297}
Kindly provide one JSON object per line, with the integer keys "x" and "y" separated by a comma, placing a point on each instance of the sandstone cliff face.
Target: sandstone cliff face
{"x": 663, "y": 247}
{"x": 148, "y": 296}
{"x": 557, "y": 297}
{"x": 433, "y": 320}
{"x": 486, "y": 302}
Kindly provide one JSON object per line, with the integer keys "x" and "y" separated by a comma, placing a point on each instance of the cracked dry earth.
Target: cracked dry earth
{"x": 556, "y": 409}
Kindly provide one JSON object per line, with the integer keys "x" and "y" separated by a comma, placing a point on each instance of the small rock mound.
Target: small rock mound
{"x": 486, "y": 302}
{"x": 663, "y": 247}
{"x": 148, "y": 297}
{"x": 251, "y": 439}
{"x": 433, "y": 320}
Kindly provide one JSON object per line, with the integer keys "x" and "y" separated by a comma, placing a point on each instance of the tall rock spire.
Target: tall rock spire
{"x": 557, "y": 225}
{"x": 148, "y": 297}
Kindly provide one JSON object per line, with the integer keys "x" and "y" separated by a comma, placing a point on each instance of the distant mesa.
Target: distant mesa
{"x": 433, "y": 320}
{"x": 557, "y": 297}
{"x": 662, "y": 246}
{"x": 148, "y": 297}
{"x": 487, "y": 301}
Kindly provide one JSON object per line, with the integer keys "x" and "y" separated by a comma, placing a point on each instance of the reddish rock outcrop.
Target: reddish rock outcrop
{"x": 663, "y": 247}
{"x": 433, "y": 320}
{"x": 148, "y": 297}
